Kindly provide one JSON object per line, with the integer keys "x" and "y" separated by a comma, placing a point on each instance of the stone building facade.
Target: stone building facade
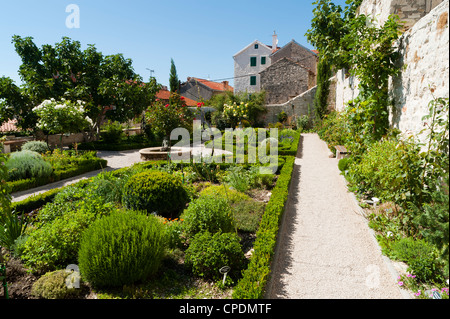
{"x": 284, "y": 80}
{"x": 248, "y": 63}
{"x": 292, "y": 71}
{"x": 201, "y": 89}
{"x": 297, "y": 53}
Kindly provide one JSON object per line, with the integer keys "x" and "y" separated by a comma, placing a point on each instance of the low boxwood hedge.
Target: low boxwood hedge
{"x": 85, "y": 166}
{"x": 252, "y": 285}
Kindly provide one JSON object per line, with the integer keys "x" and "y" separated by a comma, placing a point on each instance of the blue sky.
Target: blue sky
{"x": 200, "y": 35}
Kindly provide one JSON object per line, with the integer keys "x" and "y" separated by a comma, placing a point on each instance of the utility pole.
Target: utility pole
{"x": 151, "y": 72}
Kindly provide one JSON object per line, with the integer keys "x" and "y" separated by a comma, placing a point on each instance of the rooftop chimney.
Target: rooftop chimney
{"x": 274, "y": 41}
{"x": 225, "y": 85}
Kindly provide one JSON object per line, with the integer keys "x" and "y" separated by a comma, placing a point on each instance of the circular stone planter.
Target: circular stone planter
{"x": 155, "y": 153}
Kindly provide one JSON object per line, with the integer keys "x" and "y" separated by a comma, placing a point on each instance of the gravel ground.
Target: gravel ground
{"x": 326, "y": 249}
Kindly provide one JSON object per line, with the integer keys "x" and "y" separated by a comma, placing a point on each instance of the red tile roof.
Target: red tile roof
{"x": 165, "y": 95}
{"x": 216, "y": 86}
{"x": 9, "y": 126}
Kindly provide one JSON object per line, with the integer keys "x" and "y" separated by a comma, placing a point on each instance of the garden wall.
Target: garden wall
{"x": 302, "y": 104}
{"x": 425, "y": 71}
{"x": 409, "y": 11}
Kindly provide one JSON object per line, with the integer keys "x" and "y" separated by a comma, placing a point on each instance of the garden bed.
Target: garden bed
{"x": 255, "y": 202}
{"x": 174, "y": 279}
{"x": 64, "y": 164}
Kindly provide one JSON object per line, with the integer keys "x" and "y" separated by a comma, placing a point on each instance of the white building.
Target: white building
{"x": 248, "y": 62}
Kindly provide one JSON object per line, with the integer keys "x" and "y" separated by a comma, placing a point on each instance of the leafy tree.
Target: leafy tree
{"x": 372, "y": 59}
{"x": 108, "y": 84}
{"x": 58, "y": 117}
{"x": 329, "y": 27}
{"x": 164, "y": 118}
{"x": 174, "y": 82}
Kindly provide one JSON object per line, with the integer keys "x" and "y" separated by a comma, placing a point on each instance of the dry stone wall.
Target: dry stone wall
{"x": 424, "y": 63}
{"x": 302, "y": 104}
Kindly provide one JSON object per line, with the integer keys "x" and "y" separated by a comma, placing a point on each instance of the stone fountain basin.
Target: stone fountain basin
{"x": 155, "y": 153}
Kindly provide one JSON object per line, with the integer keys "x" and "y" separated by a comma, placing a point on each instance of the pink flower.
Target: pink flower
{"x": 418, "y": 293}
{"x": 167, "y": 105}
{"x": 400, "y": 283}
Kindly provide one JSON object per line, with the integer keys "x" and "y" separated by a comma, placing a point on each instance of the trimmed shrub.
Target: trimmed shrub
{"x": 208, "y": 213}
{"x": 155, "y": 191}
{"x": 121, "y": 249}
{"x": 27, "y": 164}
{"x": 36, "y": 146}
{"x": 208, "y": 252}
{"x": 420, "y": 256}
{"x": 255, "y": 277}
{"x": 53, "y": 285}
{"x": 344, "y": 163}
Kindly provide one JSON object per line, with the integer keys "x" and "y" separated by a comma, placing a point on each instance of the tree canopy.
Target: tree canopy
{"x": 108, "y": 84}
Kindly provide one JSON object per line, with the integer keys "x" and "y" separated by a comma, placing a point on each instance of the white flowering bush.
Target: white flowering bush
{"x": 58, "y": 117}
{"x": 235, "y": 113}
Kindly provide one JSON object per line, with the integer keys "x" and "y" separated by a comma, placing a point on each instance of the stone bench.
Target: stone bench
{"x": 8, "y": 143}
{"x": 341, "y": 151}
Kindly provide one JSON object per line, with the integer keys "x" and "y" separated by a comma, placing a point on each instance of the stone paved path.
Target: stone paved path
{"x": 326, "y": 249}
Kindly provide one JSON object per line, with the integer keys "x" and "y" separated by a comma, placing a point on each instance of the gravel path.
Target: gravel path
{"x": 326, "y": 249}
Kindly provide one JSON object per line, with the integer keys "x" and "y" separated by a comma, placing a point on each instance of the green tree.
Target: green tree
{"x": 107, "y": 84}
{"x": 174, "y": 82}
{"x": 329, "y": 27}
{"x": 59, "y": 117}
{"x": 373, "y": 61}
{"x": 324, "y": 73}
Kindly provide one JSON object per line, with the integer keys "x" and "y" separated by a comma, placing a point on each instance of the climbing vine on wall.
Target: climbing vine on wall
{"x": 372, "y": 60}
{"x": 345, "y": 40}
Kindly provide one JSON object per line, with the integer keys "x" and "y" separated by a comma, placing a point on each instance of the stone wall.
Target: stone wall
{"x": 195, "y": 91}
{"x": 302, "y": 104}
{"x": 409, "y": 11}
{"x": 284, "y": 80}
{"x": 425, "y": 69}
{"x": 67, "y": 139}
{"x": 425, "y": 64}
{"x": 297, "y": 53}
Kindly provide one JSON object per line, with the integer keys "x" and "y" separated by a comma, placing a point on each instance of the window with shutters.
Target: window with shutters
{"x": 253, "y": 61}
{"x": 263, "y": 60}
{"x": 253, "y": 80}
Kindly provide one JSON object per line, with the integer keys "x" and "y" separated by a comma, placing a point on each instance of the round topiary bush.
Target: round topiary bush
{"x": 208, "y": 213}
{"x": 121, "y": 249}
{"x": 344, "y": 163}
{"x": 36, "y": 146}
{"x": 155, "y": 191}
{"x": 57, "y": 285}
{"x": 207, "y": 253}
{"x": 27, "y": 164}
